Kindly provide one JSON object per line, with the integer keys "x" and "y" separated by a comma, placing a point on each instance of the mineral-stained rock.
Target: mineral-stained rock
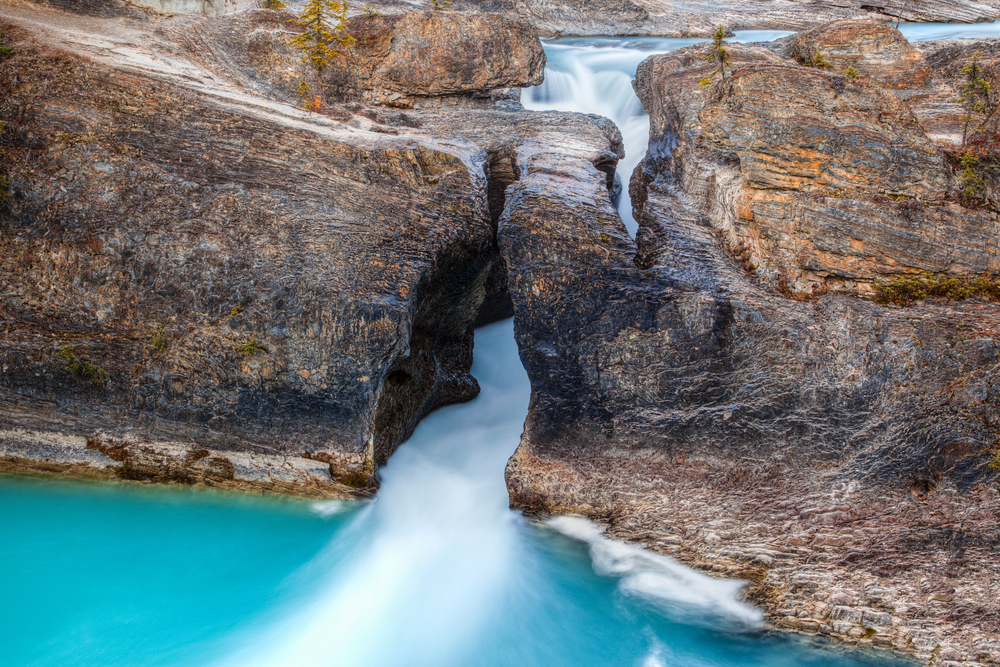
{"x": 700, "y": 17}
{"x": 210, "y": 271}
{"x": 875, "y": 49}
{"x": 405, "y": 59}
{"x": 696, "y": 410}
{"x": 815, "y": 180}
{"x": 179, "y": 269}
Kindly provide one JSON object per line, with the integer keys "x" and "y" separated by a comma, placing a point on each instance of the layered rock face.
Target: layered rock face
{"x": 834, "y": 452}
{"x": 406, "y": 60}
{"x": 875, "y": 49}
{"x": 816, "y": 181}
{"x": 232, "y": 273}
{"x": 204, "y": 7}
{"x": 206, "y": 285}
{"x": 700, "y": 17}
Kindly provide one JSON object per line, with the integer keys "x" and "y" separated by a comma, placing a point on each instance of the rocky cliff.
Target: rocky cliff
{"x": 194, "y": 270}
{"x": 700, "y": 17}
{"x": 720, "y": 392}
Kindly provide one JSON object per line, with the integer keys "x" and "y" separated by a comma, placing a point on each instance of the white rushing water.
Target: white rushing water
{"x": 594, "y": 75}
{"x": 435, "y": 568}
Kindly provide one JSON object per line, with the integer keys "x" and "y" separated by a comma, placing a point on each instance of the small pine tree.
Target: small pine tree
{"x": 719, "y": 55}
{"x": 306, "y": 93}
{"x": 818, "y": 60}
{"x": 973, "y": 185}
{"x": 851, "y": 73}
{"x": 440, "y": 5}
{"x": 318, "y": 36}
{"x": 974, "y": 95}
{"x": 370, "y": 11}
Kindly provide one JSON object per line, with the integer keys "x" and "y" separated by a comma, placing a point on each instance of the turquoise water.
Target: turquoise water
{"x": 436, "y": 572}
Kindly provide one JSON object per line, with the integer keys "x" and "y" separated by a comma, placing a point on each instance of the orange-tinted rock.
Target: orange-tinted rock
{"x": 815, "y": 180}
{"x": 874, "y": 48}
{"x": 803, "y": 129}
{"x": 403, "y": 58}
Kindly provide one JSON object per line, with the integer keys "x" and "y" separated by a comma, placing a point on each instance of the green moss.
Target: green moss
{"x": 159, "y": 340}
{"x": 904, "y": 290}
{"x": 995, "y": 463}
{"x": 870, "y": 632}
{"x": 251, "y": 347}
{"x": 6, "y": 51}
{"x": 83, "y": 369}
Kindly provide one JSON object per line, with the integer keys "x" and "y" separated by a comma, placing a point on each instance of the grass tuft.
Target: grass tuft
{"x": 904, "y": 290}
{"x": 251, "y": 347}
{"x": 83, "y": 369}
{"x": 159, "y": 340}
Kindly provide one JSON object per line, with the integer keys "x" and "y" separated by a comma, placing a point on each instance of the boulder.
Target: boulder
{"x": 815, "y": 180}
{"x": 404, "y": 60}
{"x": 875, "y": 49}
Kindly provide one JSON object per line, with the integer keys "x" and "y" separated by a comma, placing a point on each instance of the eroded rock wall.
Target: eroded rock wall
{"x": 176, "y": 269}
{"x": 834, "y": 452}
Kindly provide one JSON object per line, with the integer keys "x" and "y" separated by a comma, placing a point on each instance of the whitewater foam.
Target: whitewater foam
{"x": 685, "y": 594}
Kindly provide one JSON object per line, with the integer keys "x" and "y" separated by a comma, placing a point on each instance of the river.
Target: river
{"x": 435, "y": 572}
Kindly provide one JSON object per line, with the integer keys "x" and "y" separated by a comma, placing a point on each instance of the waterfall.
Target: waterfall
{"x": 594, "y": 75}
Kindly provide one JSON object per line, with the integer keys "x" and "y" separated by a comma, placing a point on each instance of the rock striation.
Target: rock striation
{"x": 700, "y": 17}
{"x": 815, "y": 180}
{"x": 416, "y": 58}
{"x": 192, "y": 265}
{"x": 819, "y": 445}
{"x": 874, "y": 48}
{"x": 187, "y": 265}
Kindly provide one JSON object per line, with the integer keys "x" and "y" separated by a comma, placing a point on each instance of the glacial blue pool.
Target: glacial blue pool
{"x": 436, "y": 572}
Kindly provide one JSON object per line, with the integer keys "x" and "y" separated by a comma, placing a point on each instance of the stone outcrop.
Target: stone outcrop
{"x": 834, "y": 452}
{"x": 189, "y": 259}
{"x": 204, "y": 7}
{"x": 874, "y": 48}
{"x": 700, "y": 17}
{"x": 405, "y": 60}
{"x": 166, "y": 275}
{"x": 815, "y": 180}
